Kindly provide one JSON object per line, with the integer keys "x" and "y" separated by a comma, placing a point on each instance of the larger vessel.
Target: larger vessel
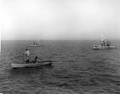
{"x": 105, "y": 44}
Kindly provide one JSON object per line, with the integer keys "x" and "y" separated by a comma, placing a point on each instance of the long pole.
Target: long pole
{"x": 23, "y": 58}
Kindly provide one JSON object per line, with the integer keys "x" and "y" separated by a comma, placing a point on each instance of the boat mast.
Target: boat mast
{"x": 102, "y": 40}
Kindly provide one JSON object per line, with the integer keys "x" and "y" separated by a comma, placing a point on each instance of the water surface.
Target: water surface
{"x": 76, "y": 69}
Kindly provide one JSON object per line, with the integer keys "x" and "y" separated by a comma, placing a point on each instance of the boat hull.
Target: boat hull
{"x": 34, "y": 45}
{"x": 14, "y": 65}
{"x": 103, "y": 47}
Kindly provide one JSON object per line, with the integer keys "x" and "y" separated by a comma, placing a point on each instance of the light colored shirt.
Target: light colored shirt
{"x": 27, "y": 53}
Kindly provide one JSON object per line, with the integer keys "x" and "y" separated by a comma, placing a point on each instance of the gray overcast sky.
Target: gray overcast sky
{"x": 60, "y": 19}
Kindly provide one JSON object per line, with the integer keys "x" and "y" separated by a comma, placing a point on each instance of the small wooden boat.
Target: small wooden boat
{"x": 37, "y": 64}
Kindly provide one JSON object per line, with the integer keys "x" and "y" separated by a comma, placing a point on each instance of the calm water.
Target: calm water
{"x": 76, "y": 69}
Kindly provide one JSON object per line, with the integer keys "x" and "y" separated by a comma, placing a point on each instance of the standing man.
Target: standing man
{"x": 27, "y": 54}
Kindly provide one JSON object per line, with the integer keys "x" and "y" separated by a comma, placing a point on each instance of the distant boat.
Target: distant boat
{"x": 105, "y": 44}
{"x": 34, "y": 44}
{"x": 24, "y": 65}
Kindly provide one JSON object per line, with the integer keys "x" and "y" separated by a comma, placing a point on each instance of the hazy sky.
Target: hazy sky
{"x": 60, "y": 19}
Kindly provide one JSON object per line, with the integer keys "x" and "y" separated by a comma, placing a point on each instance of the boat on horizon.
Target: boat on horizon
{"x": 35, "y": 44}
{"x": 105, "y": 44}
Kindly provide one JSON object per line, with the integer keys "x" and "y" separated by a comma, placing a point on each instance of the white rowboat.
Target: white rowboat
{"x": 15, "y": 65}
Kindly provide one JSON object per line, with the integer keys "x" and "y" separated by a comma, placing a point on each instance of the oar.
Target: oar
{"x": 23, "y": 57}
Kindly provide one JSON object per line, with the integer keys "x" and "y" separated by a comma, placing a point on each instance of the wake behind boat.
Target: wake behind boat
{"x": 24, "y": 65}
{"x": 105, "y": 44}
